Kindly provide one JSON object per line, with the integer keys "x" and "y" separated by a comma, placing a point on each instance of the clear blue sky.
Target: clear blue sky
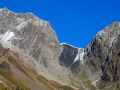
{"x": 75, "y": 21}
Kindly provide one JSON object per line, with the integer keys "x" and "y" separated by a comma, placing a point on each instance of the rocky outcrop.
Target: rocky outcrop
{"x": 71, "y": 57}
{"x": 68, "y": 55}
{"x": 102, "y": 54}
{"x": 35, "y": 42}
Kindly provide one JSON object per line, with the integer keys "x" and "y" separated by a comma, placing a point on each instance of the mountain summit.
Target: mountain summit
{"x": 31, "y": 57}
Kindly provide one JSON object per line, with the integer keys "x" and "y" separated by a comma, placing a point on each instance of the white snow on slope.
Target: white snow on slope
{"x": 5, "y": 39}
{"x": 79, "y": 56}
{"x": 100, "y": 33}
{"x": 1, "y": 9}
{"x": 67, "y": 44}
{"x": 22, "y": 24}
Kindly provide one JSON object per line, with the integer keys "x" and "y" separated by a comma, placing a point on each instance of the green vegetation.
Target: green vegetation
{"x": 5, "y": 72}
{"x": 85, "y": 78}
{"x": 89, "y": 84}
{"x": 50, "y": 84}
{"x": 66, "y": 88}
{"x": 13, "y": 80}
{"x": 3, "y": 87}
{"x": 84, "y": 74}
{"x": 19, "y": 85}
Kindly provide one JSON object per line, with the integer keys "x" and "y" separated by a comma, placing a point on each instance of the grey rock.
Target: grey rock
{"x": 35, "y": 42}
{"x": 102, "y": 54}
{"x": 68, "y": 55}
{"x": 71, "y": 57}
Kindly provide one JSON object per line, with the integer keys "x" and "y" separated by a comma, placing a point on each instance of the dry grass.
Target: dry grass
{"x": 53, "y": 85}
{"x": 16, "y": 62}
{"x": 89, "y": 84}
{"x": 13, "y": 80}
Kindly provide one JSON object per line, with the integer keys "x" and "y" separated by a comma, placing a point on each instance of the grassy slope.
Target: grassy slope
{"x": 52, "y": 85}
{"x": 84, "y": 76}
{"x": 13, "y": 80}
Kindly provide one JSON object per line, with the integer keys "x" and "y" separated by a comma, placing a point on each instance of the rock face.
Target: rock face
{"x": 68, "y": 55}
{"x": 35, "y": 42}
{"x": 103, "y": 54}
{"x": 35, "y": 47}
{"x": 71, "y": 57}
{"x": 27, "y": 34}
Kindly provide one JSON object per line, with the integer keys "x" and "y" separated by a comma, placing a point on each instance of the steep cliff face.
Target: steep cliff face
{"x": 26, "y": 34}
{"x": 68, "y": 55}
{"x": 72, "y": 57}
{"x": 35, "y": 42}
{"x": 103, "y": 55}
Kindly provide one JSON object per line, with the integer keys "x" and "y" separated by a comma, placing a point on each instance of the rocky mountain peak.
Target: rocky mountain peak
{"x": 32, "y": 38}
{"x": 102, "y": 54}
{"x": 35, "y": 42}
{"x": 5, "y": 10}
{"x": 13, "y": 25}
{"x": 109, "y": 34}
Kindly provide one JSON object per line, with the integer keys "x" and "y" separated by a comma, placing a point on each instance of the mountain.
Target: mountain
{"x": 103, "y": 57}
{"x": 31, "y": 57}
{"x": 34, "y": 42}
{"x": 71, "y": 57}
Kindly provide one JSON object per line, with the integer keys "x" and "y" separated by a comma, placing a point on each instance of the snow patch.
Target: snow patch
{"x": 1, "y": 9}
{"x": 5, "y": 39}
{"x": 68, "y": 44}
{"x": 100, "y": 33}
{"x": 77, "y": 57}
{"x": 80, "y": 56}
{"x": 21, "y": 25}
